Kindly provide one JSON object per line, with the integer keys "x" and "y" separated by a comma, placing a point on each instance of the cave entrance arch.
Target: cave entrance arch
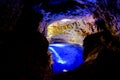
{"x": 66, "y": 39}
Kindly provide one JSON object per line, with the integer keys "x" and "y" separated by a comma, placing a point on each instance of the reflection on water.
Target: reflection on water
{"x": 65, "y": 56}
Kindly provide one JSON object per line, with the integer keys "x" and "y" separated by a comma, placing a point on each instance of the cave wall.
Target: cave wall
{"x": 11, "y": 9}
{"x": 111, "y": 5}
{"x": 9, "y": 13}
{"x": 109, "y": 10}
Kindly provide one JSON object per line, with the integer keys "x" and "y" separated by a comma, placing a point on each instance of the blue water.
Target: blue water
{"x": 65, "y": 56}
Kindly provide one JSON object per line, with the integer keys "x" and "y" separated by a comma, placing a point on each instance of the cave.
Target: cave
{"x": 65, "y": 31}
{"x": 59, "y": 40}
{"x": 65, "y": 28}
{"x": 66, "y": 39}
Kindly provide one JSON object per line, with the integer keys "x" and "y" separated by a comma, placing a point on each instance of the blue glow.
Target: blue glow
{"x": 93, "y": 1}
{"x": 58, "y": 58}
{"x": 58, "y": 45}
{"x": 66, "y": 57}
{"x": 57, "y": 1}
{"x": 76, "y": 11}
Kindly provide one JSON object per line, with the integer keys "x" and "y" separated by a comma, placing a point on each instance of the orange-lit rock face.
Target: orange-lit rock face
{"x": 71, "y": 30}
